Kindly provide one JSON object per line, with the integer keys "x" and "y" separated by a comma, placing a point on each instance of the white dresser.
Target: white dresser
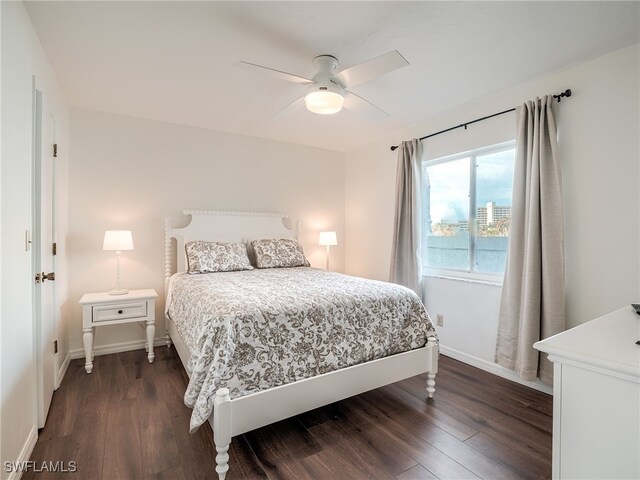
{"x": 596, "y": 402}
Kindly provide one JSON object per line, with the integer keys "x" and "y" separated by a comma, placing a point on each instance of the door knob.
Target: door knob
{"x": 48, "y": 276}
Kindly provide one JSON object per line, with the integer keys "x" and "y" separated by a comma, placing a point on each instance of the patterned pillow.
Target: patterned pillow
{"x": 279, "y": 252}
{"x": 207, "y": 257}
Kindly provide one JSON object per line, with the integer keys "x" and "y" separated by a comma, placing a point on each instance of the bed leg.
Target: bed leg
{"x": 433, "y": 367}
{"x": 222, "y": 461}
{"x": 431, "y": 384}
{"x": 167, "y": 338}
{"x": 222, "y": 430}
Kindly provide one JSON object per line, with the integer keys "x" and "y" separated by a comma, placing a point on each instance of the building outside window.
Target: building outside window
{"x": 467, "y": 212}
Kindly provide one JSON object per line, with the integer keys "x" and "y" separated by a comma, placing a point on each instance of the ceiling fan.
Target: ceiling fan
{"x": 327, "y": 90}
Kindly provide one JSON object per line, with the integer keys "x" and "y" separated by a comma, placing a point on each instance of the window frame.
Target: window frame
{"x": 469, "y": 273}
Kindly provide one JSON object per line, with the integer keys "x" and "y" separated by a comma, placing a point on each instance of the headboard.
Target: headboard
{"x": 224, "y": 226}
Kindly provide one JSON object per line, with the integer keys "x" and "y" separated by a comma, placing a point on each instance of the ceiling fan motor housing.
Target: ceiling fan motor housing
{"x": 325, "y": 86}
{"x": 326, "y": 67}
{"x": 325, "y": 63}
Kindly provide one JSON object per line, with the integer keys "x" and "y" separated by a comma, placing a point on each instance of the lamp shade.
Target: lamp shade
{"x": 117, "y": 240}
{"x": 328, "y": 238}
{"x": 324, "y": 98}
{"x": 324, "y": 103}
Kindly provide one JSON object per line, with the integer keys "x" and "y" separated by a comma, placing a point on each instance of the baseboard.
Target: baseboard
{"x": 25, "y": 454}
{"x": 63, "y": 369}
{"x": 493, "y": 368}
{"x": 117, "y": 347}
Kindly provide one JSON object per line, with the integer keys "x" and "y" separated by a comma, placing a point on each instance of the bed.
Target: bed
{"x": 262, "y": 345}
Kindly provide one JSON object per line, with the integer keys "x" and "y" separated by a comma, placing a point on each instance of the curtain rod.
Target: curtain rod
{"x": 566, "y": 93}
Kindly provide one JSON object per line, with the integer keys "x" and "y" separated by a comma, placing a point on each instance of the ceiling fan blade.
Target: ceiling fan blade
{"x": 376, "y": 67}
{"x": 296, "y": 104}
{"x": 290, "y": 77}
{"x": 365, "y": 107}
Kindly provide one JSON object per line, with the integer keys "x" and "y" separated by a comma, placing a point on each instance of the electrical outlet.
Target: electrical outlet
{"x": 440, "y": 320}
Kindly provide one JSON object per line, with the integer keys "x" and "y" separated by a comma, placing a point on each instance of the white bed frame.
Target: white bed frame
{"x": 236, "y": 416}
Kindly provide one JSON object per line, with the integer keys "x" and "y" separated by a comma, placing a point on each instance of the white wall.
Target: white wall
{"x": 599, "y": 147}
{"x": 1, "y": 243}
{"x": 130, "y": 173}
{"x": 1, "y": 230}
{"x": 22, "y": 57}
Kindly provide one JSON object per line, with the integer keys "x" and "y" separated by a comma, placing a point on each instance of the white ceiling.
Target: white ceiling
{"x": 174, "y": 61}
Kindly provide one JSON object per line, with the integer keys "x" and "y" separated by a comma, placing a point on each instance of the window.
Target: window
{"x": 467, "y": 211}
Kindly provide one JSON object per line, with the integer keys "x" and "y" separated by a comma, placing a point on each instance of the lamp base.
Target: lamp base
{"x": 120, "y": 291}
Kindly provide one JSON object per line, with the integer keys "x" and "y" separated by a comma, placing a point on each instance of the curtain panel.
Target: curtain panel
{"x": 406, "y": 259}
{"x": 533, "y": 299}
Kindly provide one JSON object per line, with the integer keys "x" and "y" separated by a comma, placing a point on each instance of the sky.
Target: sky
{"x": 450, "y": 185}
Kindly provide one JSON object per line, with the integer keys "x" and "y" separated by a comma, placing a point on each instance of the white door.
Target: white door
{"x": 43, "y": 253}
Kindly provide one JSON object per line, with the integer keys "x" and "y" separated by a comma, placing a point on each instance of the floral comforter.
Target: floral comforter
{"x": 256, "y": 329}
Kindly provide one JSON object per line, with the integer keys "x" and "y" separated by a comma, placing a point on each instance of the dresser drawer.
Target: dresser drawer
{"x": 104, "y": 313}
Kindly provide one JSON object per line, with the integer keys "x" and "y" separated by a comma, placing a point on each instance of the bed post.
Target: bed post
{"x": 167, "y": 268}
{"x": 433, "y": 366}
{"x": 222, "y": 430}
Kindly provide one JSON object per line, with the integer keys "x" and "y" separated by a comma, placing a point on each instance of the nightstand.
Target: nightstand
{"x": 103, "y": 309}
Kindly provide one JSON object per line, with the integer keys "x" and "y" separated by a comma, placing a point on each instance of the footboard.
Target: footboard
{"x": 240, "y": 415}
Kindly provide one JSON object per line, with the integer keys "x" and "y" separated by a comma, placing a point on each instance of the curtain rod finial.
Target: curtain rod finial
{"x": 393, "y": 149}
{"x": 566, "y": 93}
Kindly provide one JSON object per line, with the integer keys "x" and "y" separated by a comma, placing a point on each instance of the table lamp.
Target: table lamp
{"x": 118, "y": 240}
{"x": 328, "y": 239}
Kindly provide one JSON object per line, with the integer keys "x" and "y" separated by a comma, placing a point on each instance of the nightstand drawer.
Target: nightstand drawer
{"x": 104, "y": 313}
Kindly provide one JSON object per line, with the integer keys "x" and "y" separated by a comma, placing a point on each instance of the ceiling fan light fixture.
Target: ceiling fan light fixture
{"x": 324, "y": 100}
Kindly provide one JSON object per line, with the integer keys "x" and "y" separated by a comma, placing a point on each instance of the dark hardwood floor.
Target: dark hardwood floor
{"x": 127, "y": 420}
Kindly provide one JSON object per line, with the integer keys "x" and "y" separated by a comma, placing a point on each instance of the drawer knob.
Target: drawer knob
{"x": 119, "y": 311}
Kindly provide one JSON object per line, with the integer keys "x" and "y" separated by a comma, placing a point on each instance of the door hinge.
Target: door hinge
{"x": 55, "y": 346}
{"x": 55, "y": 150}
{"x": 54, "y": 248}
